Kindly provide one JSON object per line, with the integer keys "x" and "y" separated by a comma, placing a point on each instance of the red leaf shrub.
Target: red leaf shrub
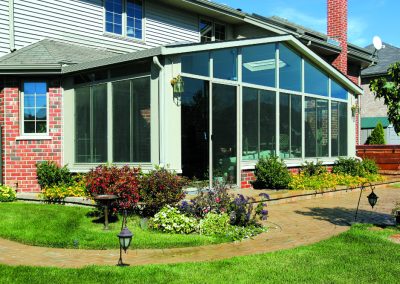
{"x": 122, "y": 182}
{"x": 161, "y": 187}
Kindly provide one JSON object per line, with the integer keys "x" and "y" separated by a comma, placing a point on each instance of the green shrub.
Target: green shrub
{"x": 171, "y": 220}
{"x": 271, "y": 173}
{"x": 159, "y": 188}
{"x": 377, "y": 136}
{"x": 313, "y": 169}
{"x": 49, "y": 174}
{"x": 7, "y": 194}
{"x": 349, "y": 166}
{"x": 237, "y": 233}
{"x": 214, "y": 224}
{"x": 370, "y": 166}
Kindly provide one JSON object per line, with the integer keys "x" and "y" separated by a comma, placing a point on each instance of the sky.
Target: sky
{"x": 367, "y": 18}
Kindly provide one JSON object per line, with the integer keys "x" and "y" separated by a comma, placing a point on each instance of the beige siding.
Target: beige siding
{"x": 4, "y": 29}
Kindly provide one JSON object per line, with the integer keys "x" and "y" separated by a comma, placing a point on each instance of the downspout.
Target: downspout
{"x": 161, "y": 138}
{"x": 11, "y": 25}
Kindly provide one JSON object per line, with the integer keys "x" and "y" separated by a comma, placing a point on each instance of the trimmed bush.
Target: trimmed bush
{"x": 354, "y": 167}
{"x": 49, "y": 174}
{"x": 159, "y": 188}
{"x": 271, "y": 173}
{"x": 377, "y": 136}
{"x": 313, "y": 169}
{"x": 122, "y": 182}
{"x": 370, "y": 166}
{"x": 7, "y": 194}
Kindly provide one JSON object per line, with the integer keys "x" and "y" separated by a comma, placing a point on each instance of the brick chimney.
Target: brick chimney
{"x": 337, "y": 29}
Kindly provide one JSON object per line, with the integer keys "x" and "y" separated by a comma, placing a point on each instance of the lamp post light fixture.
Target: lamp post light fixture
{"x": 125, "y": 239}
{"x": 178, "y": 85}
{"x": 372, "y": 197}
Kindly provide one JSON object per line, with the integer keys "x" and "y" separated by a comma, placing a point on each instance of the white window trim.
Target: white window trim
{"x": 213, "y": 22}
{"x": 124, "y": 35}
{"x": 33, "y": 136}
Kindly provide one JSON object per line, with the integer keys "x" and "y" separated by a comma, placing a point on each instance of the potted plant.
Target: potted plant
{"x": 354, "y": 110}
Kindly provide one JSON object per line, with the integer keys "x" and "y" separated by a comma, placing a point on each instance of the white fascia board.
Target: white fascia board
{"x": 291, "y": 40}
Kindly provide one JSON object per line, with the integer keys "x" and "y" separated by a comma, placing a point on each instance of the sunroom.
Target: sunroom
{"x": 238, "y": 101}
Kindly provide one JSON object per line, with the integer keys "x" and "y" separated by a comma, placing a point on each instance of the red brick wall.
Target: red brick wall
{"x": 20, "y": 156}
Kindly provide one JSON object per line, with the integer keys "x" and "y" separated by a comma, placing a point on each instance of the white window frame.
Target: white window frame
{"x": 24, "y": 135}
{"x": 124, "y": 33}
{"x": 213, "y": 28}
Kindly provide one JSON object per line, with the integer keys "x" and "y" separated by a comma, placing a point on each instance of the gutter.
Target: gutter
{"x": 161, "y": 133}
{"x": 11, "y": 25}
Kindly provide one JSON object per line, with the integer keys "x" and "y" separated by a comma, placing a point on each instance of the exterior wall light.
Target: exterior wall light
{"x": 125, "y": 239}
{"x": 372, "y": 197}
{"x": 178, "y": 85}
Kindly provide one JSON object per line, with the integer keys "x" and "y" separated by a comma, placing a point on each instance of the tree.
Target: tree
{"x": 388, "y": 89}
{"x": 377, "y": 136}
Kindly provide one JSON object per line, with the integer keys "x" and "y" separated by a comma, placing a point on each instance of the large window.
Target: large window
{"x": 124, "y": 17}
{"x": 290, "y": 126}
{"x": 259, "y": 116}
{"x": 131, "y": 120}
{"x": 196, "y": 63}
{"x": 337, "y": 91}
{"x": 316, "y": 128}
{"x": 225, "y": 64}
{"x": 290, "y": 72}
{"x": 315, "y": 81}
{"x": 34, "y": 115}
{"x": 338, "y": 129}
{"x": 91, "y": 124}
{"x": 259, "y": 65}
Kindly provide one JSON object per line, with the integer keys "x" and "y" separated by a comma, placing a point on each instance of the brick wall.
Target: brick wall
{"x": 21, "y": 155}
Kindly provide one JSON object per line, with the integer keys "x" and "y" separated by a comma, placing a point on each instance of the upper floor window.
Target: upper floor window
{"x": 34, "y": 105}
{"x": 124, "y": 17}
{"x": 211, "y": 31}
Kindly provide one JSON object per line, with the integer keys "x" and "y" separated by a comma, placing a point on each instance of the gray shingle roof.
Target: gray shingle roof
{"x": 387, "y": 56}
{"x": 50, "y": 54}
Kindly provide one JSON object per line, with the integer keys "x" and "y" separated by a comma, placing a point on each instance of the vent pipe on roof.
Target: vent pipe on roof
{"x": 11, "y": 24}
{"x": 337, "y": 30}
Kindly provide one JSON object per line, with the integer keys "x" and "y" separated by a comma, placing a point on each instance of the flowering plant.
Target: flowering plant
{"x": 171, "y": 220}
{"x": 7, "y": 194}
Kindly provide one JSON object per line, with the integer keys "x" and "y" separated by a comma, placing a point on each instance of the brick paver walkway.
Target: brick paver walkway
{"x": 293, "y": 224}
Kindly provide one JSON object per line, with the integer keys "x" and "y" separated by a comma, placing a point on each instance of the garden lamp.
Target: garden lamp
{"x": 372, "y": 199}
{"x": 125, "y": 239}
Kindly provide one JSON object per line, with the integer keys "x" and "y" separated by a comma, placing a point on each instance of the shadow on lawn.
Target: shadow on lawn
{"x": 97, "y": 217}
{"x": 344, "y": 217}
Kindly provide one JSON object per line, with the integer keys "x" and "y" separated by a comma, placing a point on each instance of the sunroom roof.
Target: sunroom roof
{"x": 196, "y": 47}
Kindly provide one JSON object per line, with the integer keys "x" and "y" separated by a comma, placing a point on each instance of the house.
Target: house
{"x": 374, "y": 110}
{"x": 87, "y": 82}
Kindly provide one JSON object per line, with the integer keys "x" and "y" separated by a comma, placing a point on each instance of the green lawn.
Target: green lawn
{"x": 62, "y": 226}
{"x": 357, "y": 256}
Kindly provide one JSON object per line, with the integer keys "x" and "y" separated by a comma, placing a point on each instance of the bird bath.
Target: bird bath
{"x": 105, "y": 200}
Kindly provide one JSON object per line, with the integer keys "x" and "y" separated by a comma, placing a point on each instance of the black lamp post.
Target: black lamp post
{"x": 125, "y": 239}
{"x": 372, "y": 197}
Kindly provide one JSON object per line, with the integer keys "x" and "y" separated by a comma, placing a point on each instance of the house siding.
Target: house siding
{"x": 82, "y": 22}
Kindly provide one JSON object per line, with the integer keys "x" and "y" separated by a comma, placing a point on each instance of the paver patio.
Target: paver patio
{"x": 293, "y": 224}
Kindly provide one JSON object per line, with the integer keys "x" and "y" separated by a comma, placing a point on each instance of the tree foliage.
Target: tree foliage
{"x": 388, "y": 89}
{"x": 377, "y": 136}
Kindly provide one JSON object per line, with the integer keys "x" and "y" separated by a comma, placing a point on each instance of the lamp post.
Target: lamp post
{"x": 372, "y": 197}
{"x": 125, "y": 238}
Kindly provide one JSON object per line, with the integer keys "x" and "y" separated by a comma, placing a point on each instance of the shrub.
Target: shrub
{"x": 122, "y": 182}
{"x": 377, "y": 136}
{"x": 271, "y": 173}
{"x": 237, "y": 233}
{"x": 215, "y": 224}
{"x": 58, "y": 193}
{"x": 159, "y": 188}
{"x": 350, "y": 166}
{"x": 370, "y": 166}
{"x": 49, "y": 173}
{"x": 7, "y": 194}
{"x": 313, "y": 169}
{"x": 171, "y": 220}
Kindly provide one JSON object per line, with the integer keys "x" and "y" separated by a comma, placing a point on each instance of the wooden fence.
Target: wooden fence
{"x": 386, "y": 156}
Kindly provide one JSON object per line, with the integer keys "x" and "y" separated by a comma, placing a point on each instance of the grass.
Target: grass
{"x": 357, "y": 256}
{"x": 70, "y": 227}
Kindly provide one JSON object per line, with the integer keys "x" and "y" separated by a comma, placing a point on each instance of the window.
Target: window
{"x": 124, "y": 17}
{"x": 290, "y": 126}
{"x": 196, "y": 63}
{"x": 259, "y": 65}
{"x": 339, "y": 129}
{"x": 34, "y": 104}
{"x": 210, "y": 31}
{"x": 290, "y": 69}
{"x": 225, "y": 64}
{"x": 337, "y": 91}
{"x": 259, "y": 116}
{"x": 315, "y": 81}
{"x": 316, "y": 128}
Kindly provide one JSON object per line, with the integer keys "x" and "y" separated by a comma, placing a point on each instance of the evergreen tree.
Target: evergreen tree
{"x": 377, "y": 136}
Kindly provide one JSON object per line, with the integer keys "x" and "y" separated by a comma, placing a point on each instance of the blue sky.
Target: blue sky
{"x": 367, "y": 18}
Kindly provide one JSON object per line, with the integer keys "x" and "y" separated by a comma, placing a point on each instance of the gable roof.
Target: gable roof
{"x": 48, "y": 56}
{"x": 387, "y": 56}
{"x": 196, "y": 47}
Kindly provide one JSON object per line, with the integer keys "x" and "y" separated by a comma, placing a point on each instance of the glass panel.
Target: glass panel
{"x": 206, "y": 29}
{"x": 41, "y": 127}
{"x": 29, "y": 114}
{"x": 134, "y": 18}
{"x": 220, "y": 32}
{"x": 113, "y": 16}
{"x": 196, "y": 63}
{"x": 259, "y": 116}
{"x": 225, "y": 64}
{"x": 316, "y": 112}
{"x": 30, "y": 88}
{"x": 41, "y": 88}
{"x": 290, "y": 71}
{"x": 41, "y": 101}
{"x": 121, "y": 121}
{"x": 259, "y": 65}
{"x": 82, "y": 125}
{"x": 343, "y": 120}
{"x": 195, "y": 129}
{"x": 99, "y": 122}
{"x": 41, "y": 113}
{"x": 29, "y": 127}
{"x": 322, "y": 128}
{"x": 315, "y": 81}
{"x": 141, "y": 122}
{"x": 290, "y": 126}
{"x": 334, "y": 129}
{"x": 29, "y": 100}
{"x": 224, "y": 132}
{"x": 337, "y": 91}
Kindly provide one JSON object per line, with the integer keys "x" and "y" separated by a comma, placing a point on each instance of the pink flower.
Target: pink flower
{"x": 217, "y": 199}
